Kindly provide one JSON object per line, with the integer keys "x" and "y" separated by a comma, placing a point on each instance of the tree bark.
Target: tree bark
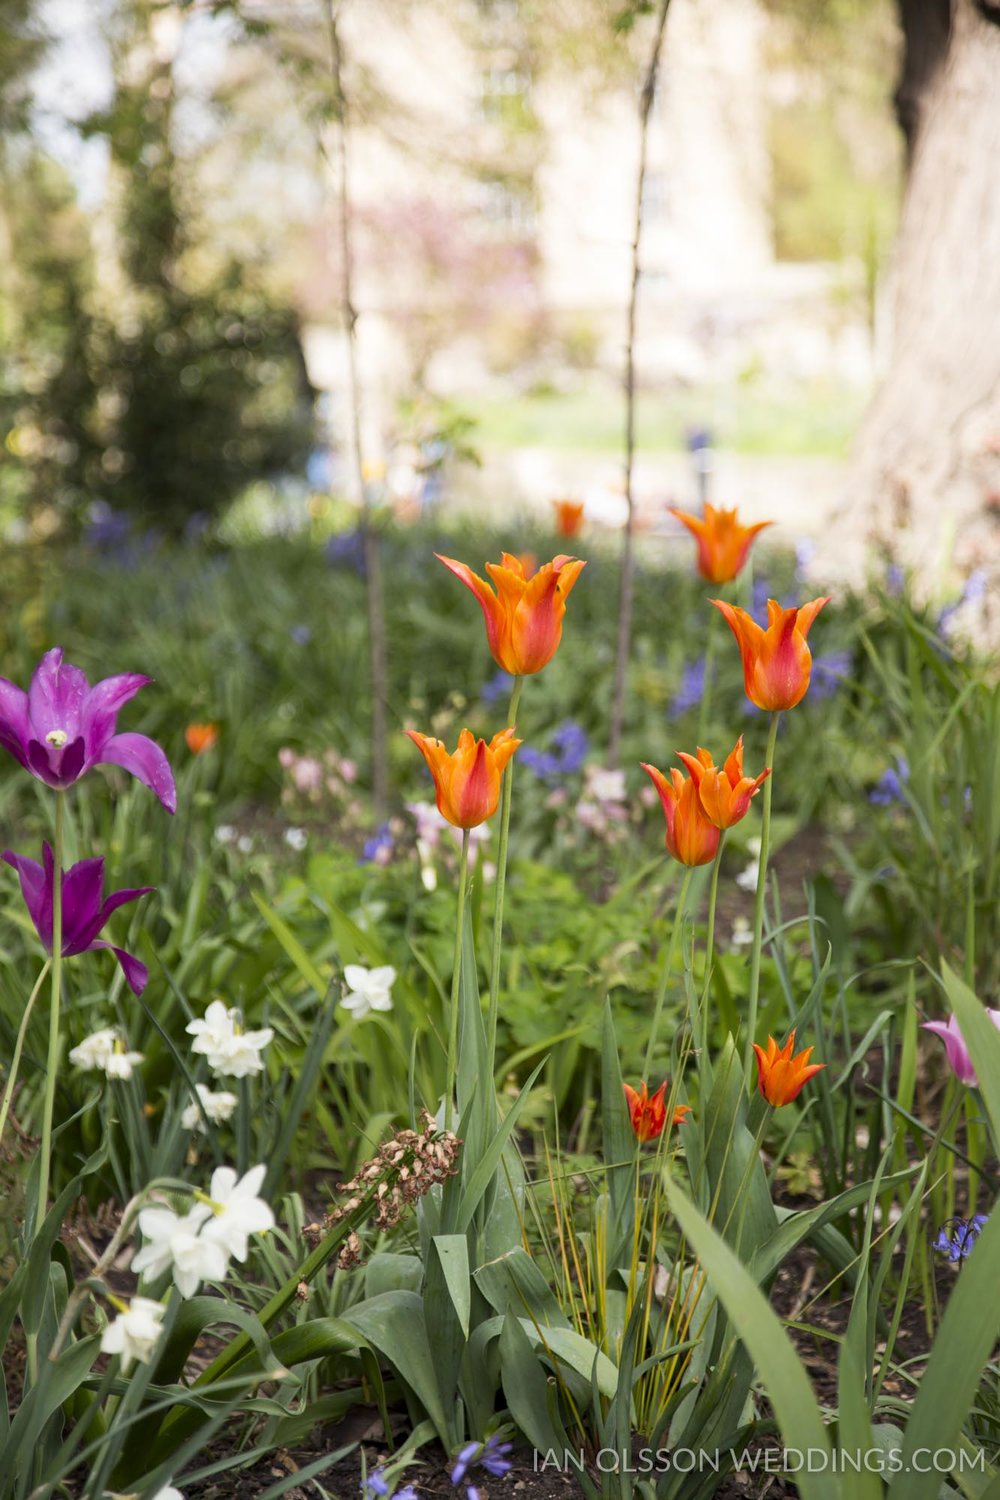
{"x": 372, "y": 552}
{"x": 925, "y": 482}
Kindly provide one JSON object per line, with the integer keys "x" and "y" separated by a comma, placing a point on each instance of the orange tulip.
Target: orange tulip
{"x": 776, "y": 661}
{"x": 524, "y": 617}
{"x": 648, "y": 1112}
{"x": 781, "y": 1076}
{"x": 201, "y": 737}
{"x": 691, "y": 838}
{"x": 723, "y": 544}
{"x": 724, "y": 792}
{"x": 569, "y": 517}
{"x": 468, "y": 780}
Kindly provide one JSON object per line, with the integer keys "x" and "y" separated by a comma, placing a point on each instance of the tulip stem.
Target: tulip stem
{"x": 52, "y": 1061}
{"x": 713, "y": 892}
{"x": 667, "y": 970}
{"x": 501, "y": 886}
{"x": 758, "y": 909}
{"x": 706, "y": 690}
{"x": 15, "y": 1061}
{"x": 456, "y": 978}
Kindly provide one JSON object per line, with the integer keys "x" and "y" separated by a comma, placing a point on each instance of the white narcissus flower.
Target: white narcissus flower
{"x": 168, "y": 1493}
{"x": 218, "y": 1107}
{"x": 229, "y": 1049}
{"x": 120, "y": 1063}
{"x": 94, "y": 1051}
{"x": 368, "y": 989}
{"x": 175, "y": 1241}
{"x": 238, "y": 1211}
{"x": 134, "y": 1333}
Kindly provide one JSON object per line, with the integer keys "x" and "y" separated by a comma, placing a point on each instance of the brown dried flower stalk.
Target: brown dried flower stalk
{"x": 401, "y": 1171}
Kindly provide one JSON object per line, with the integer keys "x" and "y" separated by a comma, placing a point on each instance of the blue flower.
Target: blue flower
{"x": 570, "y": 745}
{"x": 499, "y": 686}
{"x": 490, "y": 1456}
{"x": 895, "y": 579}
{"x": 381, "y": 843}
{"x": 347, "y": 550}
{"x": 301, "y": 634}
{"x": 571, "y": 742}
{"x": 957, "y": 1236}
{"x": 889, "y": 787}
{"x": 828, "y": 672}
{"x": 376, "y": 1487}
{"x": 692, "y": 688}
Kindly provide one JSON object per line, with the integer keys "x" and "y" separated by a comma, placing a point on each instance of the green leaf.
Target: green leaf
{"x": 291, "y": 945}
{"x": 487, "y": 1164}
{"x": 452, "y": 1251}
{"x": 394, "y": 1323}
{"x": 782, "y": 1372}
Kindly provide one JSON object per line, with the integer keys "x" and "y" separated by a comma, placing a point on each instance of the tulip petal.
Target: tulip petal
{"x": 81, "y": 905}
{"x": 15, "y": 731}
{"x": 100, "y": 708}
{"x": 37, "y": 893}
{"x": 56, "y": 696}
{"x": 135, "y": 971}
{"x": 144, "y": 760}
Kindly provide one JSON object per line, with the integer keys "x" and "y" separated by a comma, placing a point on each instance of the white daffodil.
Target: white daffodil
{"x": 175, "y": 1242}
{"x": 168, "y": 1493}
{"x": 218, "y": 1107}
{"x": 237, "y": 1210}
{"x": 134, "y": 1333}
{"x": 94, "y": 1051}
{"x": 229, "y": 1049}
{"x": 368, "y": 989}
{"x": 119, "y": 1063}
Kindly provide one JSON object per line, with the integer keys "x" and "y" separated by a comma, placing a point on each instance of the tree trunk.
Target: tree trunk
{"x": 925, "y": 484}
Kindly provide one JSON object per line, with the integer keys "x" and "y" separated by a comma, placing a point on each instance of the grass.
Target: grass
{"x": 768, "y": 419}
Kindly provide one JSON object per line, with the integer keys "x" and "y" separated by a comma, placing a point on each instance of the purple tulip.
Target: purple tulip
{"x": 957, "y": 1052}
{"x": 62, "y": 726}
{"x": 83, "y": 911}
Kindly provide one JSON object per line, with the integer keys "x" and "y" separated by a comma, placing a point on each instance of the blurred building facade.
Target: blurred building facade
{"x": 494, "y": 200}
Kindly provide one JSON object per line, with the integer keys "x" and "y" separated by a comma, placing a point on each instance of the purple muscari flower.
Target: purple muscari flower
{"x": 301, "y": 634}
{"x": 62, "y": 726}
{"x": 957, "y": 1236}
{"x": 692, "y": 688}
{"x": 828, "y": 672}
{"x": 956, "y": 1051}
{"x": 499, "y": 686}
{"x": 889, "y": 787}
{"x": 379, "y": 847}
{"x": 83, "y": 911}
{"x": 376, "y": 1484}
{"x": 895, "y": 579}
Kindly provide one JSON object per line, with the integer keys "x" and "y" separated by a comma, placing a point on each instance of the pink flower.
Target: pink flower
{"x": 957, "y": 1052}
{"x": 62, "y": 726}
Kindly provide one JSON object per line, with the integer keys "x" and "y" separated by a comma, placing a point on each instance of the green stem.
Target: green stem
{"x": 711, "y": 638}
{"x": 501, "y": 886}
{"x": 52, "y": 1061}
{"x": 456, "y": 977}
{"x": 15, "y": 1061}
{"x": 713, "y": 892}
{"x": 758, "y": 909}
{"x": 667, "y": 970}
